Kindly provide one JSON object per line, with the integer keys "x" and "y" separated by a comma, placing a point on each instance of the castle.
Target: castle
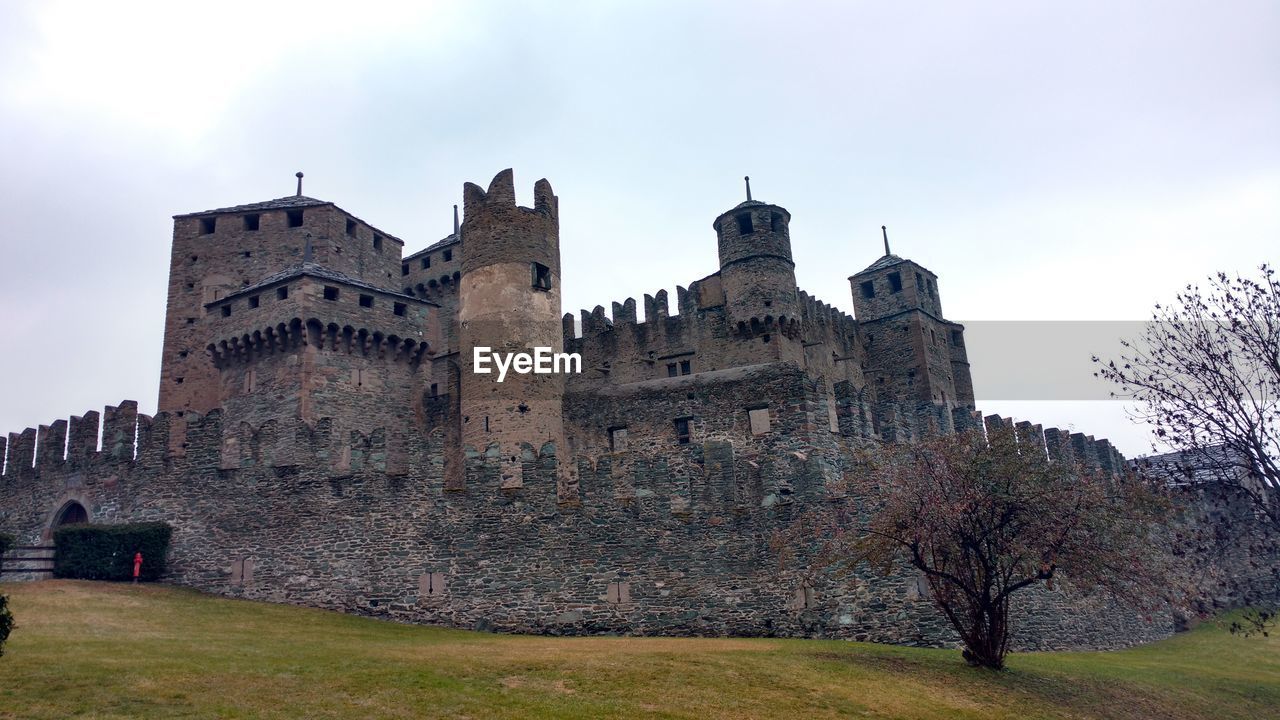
{"x": 323, "y": 438}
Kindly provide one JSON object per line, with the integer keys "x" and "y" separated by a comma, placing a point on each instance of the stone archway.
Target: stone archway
{"x": 71, "y": 513}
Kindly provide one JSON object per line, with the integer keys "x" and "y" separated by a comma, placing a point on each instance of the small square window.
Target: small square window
{"x": 208, "y": 225}
{"x": 254, "y": 301}
{"x": 744, "y": 224}
{"x": 226, "y": 311}
{"x": 775, "y": 222}
{"x": 351, "y": 226}
{"x": 435, "y": 390}
{"x": 682, "y": 430}
{"x": 330, "y": 293}
{"x": 672, "y": 370}
{"x": 246, "y": 253}
{"x": 404, "y": 270}
{"x": 868, "y": 289}
{"x": 448, "y": 255}
{"x": 366, "y": 301}
{"x": 426, "y": 262}
{"x": 252, "y": 221}
{"x": 685, "y": 367}
{"x": 282, "y": 293}
{"x": 295, "y": 218}
{"x": 377, "y": 242}
{"x": 398, "y": 309}
{"x": 895, "y": 282}
{"x": 541, "y": 276}
{"x": 617, "y": 439}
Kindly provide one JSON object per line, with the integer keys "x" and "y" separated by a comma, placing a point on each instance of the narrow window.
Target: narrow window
{"x": 617, "y": 439}
{"x": 255, "y": 301}
{"x": 759, "y": 419}
{"x": 541, "y": 276}
{"x": 956, "y": 338}
{"x": 868, "y": 289}
{"x": 398, "y": 309}
{"x": 330, "y": 293}
{"x": 932, "y": 290}
{"x": 351, "y": 226}
{"x": 295, "y": 218}
{"x": 448, "y": 255}
{"x": 919, "y": 281}
{"x": 178, "y": 380}
{"x": 744, "y": 224}
{"x": 366, "y": 301}
{"x": 246, "y": 253}
{"x": 672, "y": 370}
{"x": 617, "y": 593}
{"x": 435, "y": 389}
{"x": 252, "y": 221}
{"x": 775, "y": 222}
{"x": 682, "y": 430}
{"x": 895, "y": 282}
{"x": 426, "y": 262}
{"x": 684, "y": 367}
{"x": 226, "y": 311}
{"x": 404, "y": 270}
{"x": 207, "y": 225}
{"x": 282, "y": 292}
{"x": 377, "y": 243}
{"x": 250, "y": 381}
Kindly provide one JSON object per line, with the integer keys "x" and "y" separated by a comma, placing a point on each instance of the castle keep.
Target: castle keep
{"x": 322, "y": 438}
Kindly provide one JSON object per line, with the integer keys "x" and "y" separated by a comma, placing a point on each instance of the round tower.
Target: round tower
{"x": 756, "y": 269}
{"x": 509, "y": 302}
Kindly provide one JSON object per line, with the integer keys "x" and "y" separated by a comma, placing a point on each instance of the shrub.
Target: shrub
{"x": 105, "y": 552}
{"x": 6, "y": 617}
{"x": 6, "y": 542}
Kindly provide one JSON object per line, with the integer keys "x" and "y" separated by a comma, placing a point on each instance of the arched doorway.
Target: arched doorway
{"x": 73, "y": 513}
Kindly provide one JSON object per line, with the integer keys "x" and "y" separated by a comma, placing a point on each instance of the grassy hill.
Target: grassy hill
{"x": 107, "y": 651}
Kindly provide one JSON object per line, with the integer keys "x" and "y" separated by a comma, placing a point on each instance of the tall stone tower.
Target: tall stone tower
{"x": 509, "y": 301}
{"x": 915, "y": 357}
{"x": 759, "y": 279}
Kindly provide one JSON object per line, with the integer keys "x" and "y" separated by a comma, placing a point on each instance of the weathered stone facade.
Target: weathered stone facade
{"x": 323, "y": 440}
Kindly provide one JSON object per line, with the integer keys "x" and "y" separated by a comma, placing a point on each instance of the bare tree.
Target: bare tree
{"x": 984, "y": 518}
{"x": 1205, "y": 374}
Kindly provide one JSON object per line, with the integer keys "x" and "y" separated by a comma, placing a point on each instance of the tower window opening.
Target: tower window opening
{"x": 426, "y": 262}
{"x": 541, "y": 276}
{"x": 435, "y": 389}
{"x": 672, "y": 370}
{"x": 895, "y": 282}
{"x": 744, "y": 224}
{"x": 178, "y": 380}
{"x": 252, "y": 221}
{"x": 448, "y": 255}
{"x": 247, "y": 253}
{"x": 351, "y": 226}
{"x": 330, "y": 293}
{"x": 207, "y": 225}
{"x": 255, "y": 301}
{"x": 682, "y": 430}
{"x": 295, "y": 218}
{"x": 366, "y": 301}
{"x": 377, "y": 242}
{"x": 282, "y": 292}
{"x": 919, "y": 281}
{"x": 404, "y": 270}
{"x": 868, "y": 289}
{"x": 775, "y": 222}
{"x": 398, "y": 309}
{"x": 956, "y": 338}
{"x": 933, "y": 337}
{"x": 932, "y": 289}
{"x": 685, "y": 367}
{"x": 618, "y": 438}
{"x": 226, "y": 311}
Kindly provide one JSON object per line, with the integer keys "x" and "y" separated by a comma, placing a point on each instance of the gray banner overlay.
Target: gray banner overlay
{"x": 1045, "y": 360}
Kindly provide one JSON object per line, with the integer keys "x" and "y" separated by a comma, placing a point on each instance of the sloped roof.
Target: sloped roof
{"x": 284, "y": 203}
{"x": 884, "y": 262}
{"x": 313, "y": 270}
{"x": 443, "y": 242}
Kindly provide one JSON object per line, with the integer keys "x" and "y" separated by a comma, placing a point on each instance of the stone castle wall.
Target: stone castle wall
{"x": 662, "y": 539}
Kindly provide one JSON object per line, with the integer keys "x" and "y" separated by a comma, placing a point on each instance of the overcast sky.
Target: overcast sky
{"x": 1048, "y": 160}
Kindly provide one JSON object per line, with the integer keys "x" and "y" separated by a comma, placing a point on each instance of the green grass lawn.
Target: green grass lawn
{"x": 107, "y": 651}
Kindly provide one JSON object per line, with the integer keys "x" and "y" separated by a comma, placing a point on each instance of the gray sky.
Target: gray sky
{"x": 1050, "y": 161}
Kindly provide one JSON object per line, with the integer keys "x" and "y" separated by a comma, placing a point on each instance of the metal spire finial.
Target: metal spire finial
{"x": 885, "y": 230}
{"x": 455, "y": 221}
{"x": 299, "y": 176}
{"x": 748, "y": 179}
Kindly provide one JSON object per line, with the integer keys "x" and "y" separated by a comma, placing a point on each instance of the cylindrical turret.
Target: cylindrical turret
{"x": 756, "y": 269}
{"x": 509, "y": 302}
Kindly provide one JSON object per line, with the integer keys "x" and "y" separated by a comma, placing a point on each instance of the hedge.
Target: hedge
{"x": 105, "y": 552}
